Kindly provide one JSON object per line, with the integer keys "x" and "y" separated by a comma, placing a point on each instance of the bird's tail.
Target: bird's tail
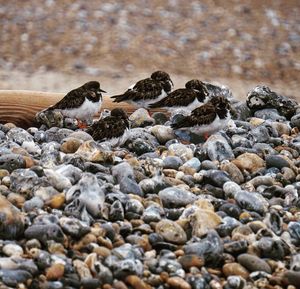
{"x": 179, "y": 124}
{"x": 155, "y": 104}
{"x": 118, "y": 98}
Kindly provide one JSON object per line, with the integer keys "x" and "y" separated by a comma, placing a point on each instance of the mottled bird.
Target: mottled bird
{"x": 81, "y": 103}
{"x": 208, "y": 118}
{"x": 184, "y": 99}
{"x": 147, "y": 90}
{"x": 113, "y": 128}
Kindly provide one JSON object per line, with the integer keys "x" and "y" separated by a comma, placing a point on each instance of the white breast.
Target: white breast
{"x": 213, "y": 127}
{"x": 85, "y": 112}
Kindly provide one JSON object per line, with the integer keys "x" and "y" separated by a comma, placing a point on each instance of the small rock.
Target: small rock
{"x": 178, "y": 283}
{"x": 182, "y": 151}
{"x": 162, "y": 133}
{"x": 55, "y": 272}
{"x": 276, "y": 161}
{"x": 11, "y": 162}
{"x": 70, "y": 145}
{"x": 188, "y": 261}
{"x": 235, "y": 269}
{"x": 254, "y": 263}
{"x": 249, "y": 162}
{"x": 171, "y": 232}
{"x": 172, "y": 162}
{"x": 175, "y": 197}
{"x": 141, "y": 118}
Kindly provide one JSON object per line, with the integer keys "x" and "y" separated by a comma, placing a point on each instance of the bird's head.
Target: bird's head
{"x": 163, "y": 77}
{"x": 119, "y": 112}
{"x": 94, "y": 86}
{"x": 221, "y": 103}
{"x": 198, "y": 85}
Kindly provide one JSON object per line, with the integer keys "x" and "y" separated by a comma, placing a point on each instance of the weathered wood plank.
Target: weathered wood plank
{"x": 20, "y": 106}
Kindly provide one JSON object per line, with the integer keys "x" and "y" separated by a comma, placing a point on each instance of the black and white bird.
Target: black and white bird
{"x": 147, "y": 90}
{"x": 208, "y": 118}
{"x": 81, "y": 103}
{"x": 113, "y": 128}
{"x": 184, "y": 99}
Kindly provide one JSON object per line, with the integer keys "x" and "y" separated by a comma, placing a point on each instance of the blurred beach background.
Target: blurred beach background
{"x": 56, "y": 46}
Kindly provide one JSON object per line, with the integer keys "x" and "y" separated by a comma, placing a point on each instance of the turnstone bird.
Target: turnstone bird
{"x": 147, "y": 90}
{"x": 113, "y": 128}
{"x": 208, "y": 118}
{"x": 184, "y": 99}
{"x": 81, "y": 103}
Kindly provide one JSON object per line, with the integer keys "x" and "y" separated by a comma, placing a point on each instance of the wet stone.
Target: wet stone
{"x": 254, "y": 263}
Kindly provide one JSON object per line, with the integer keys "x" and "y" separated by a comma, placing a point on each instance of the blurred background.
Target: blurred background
{"x": 57, "y": 45}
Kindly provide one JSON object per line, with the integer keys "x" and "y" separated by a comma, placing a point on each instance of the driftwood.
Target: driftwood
{"x": 20, "y": 106}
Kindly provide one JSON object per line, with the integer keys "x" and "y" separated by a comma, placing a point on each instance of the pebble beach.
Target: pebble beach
{"x": 168, "y": 209}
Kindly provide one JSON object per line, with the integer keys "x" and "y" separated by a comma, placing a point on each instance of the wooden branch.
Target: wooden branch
{"x": 20, "y": 106}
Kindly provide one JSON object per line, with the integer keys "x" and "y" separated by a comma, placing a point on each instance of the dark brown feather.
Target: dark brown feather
{"x": 77, "y": 96}
{"x": 109, "y": 127}
{"x": 143, "y": 89}
{"x": 202, "y": 115}
{"x": 179, "y": 97}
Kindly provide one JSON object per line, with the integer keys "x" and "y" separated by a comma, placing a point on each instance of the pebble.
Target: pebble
{"x": 162, "y": 133}
{"x": 249, "y": 162}
{"x": 231, "y": 269}
{"x": 175, "y": 197}
{"x": 254, "y": 263}
{"x": 171, "y": 232}
{"x": 141, "y": 118}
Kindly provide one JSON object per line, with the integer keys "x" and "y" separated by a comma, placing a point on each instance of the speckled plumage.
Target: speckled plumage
{"x": 190, "y": 97}
{"x": 82, "y": 102}
{"x": 147, "y": 90}
{"x": 207, "y": 118}
{"x": 112, "y": 128}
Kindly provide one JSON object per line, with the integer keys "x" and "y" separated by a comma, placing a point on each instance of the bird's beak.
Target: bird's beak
{"x": 101, "y": 90}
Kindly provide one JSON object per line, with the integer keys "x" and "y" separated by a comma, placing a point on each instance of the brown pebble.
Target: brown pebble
{"x": 55, "y": 272}
{"x": 56, "y": 201}
{"x": 179, "y": 253}
{"x": 16, "y": 199}
{"x": 187, "y": 170}
{"x": 164, "y": 276}
{"x": 10, "y": 125}
{"x": 70, "y": 145}
{"x": 136, "y": 282}
{"x": 119, "y": 285}
{"x": 178, "y": 283}
{"x": 3, "y": 173}
{"x": 84, "y": 241}
{"x": 136, "y": 222}
{"x": 235, "y": 269}
{"x": 188, "y": 261}
{"x": 107, "y": 286}
{"x": 29, "y": 162}
{"x": 102, "y": 251}
{"x": 249, "y": 162}
{"x": 105, "y": 242}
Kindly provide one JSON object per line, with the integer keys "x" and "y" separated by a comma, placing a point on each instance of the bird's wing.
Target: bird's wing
{"x": 72, "y": 99}
{"x": 143, "y": 89}
{"x": 202, "y": 115}
{"x": 107, "y": 128}
{"x": 179, "y": 97}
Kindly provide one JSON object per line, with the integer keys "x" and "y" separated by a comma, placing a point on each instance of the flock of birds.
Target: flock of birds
{"x": 203, "y": 112}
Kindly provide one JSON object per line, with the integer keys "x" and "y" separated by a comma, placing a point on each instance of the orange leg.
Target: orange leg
{"x": 81, "y": 124}
{"x": 206, "y": 135}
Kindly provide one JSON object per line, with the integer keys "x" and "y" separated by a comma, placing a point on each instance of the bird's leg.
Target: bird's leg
{"x": 81, "y": 124}
{"x": 206, "y": 136}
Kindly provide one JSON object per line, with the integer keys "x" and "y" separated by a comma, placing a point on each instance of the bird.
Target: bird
{"x": 208, "y": 118}
{"x": 81, "y": 103}
{"x": 113, "y": 128}
{"x": 184, "y": 99}
{"x": 147, "y": 91}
